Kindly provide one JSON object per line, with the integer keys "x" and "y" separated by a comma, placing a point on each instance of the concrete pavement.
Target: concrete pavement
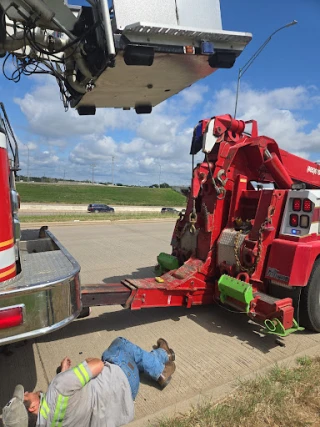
{"x": 214, "y": 347}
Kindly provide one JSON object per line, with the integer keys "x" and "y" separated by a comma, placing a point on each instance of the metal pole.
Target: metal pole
{"x": 93, "y": 166}
{"x": 159, "y": 175}
{"x": 112, "y": 170}
{"x": 247, "y": 65}
{"x": 28, "y": 164}
{"x": 237, "y": 93}
{"x": 104, "y": 8}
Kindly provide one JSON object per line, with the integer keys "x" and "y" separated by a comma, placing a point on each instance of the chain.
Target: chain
{"x": 220, "y": 191}
{"x": 205, "y": 211}
{"x": 193, "y": 215}
{"x": 251, "y": 269}
{"x": 193, "y": 220}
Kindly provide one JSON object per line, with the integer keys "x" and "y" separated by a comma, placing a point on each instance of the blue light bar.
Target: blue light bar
{"x": 295, "y": 231}
{"x": 207, "y": 48}
{"x": 199, "y": 130}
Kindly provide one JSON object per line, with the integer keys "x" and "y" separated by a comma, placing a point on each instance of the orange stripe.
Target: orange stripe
{"x": 6, "y": 243}
{"x": 7, "y": 273}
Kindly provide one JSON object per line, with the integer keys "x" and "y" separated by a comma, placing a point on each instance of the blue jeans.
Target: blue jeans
{"x": 133, "y": 359}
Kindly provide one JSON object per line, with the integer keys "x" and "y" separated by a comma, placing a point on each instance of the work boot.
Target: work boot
{"x": 166, "y": 375}
{"x": 162, "y": 343}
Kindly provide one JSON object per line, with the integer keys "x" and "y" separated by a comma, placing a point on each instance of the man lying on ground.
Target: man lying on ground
{"x": 96, "y": 393}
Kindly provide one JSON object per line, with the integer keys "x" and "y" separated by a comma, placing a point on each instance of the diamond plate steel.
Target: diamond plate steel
{"x": 192, "y": 33}
{"x": 41, "y": 268}
{"x": 267, "y": 298}
{"x": 53, "y": 266}
{"x": 226, "y": 246}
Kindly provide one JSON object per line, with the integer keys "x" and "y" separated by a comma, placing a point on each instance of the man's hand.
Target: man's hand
{"x": 65, "y": 364}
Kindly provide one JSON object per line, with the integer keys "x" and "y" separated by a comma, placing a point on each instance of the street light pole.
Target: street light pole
{"x": 159, "y": 175}
{"x": 28, "y": 164}
{"x": 93, "y": 166}
{"x": 247, "y": 65}
{"x": 112, "y": 170}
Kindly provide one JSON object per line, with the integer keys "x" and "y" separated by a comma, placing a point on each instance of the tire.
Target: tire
{"x": 310, "y": 301}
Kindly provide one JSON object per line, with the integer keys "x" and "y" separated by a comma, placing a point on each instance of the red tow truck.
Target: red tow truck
{"x": 103, "y": 55}
{"x": 249, "y": 237}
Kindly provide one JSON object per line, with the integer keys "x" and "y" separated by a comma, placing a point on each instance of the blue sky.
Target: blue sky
{"x": 281, "y": 91}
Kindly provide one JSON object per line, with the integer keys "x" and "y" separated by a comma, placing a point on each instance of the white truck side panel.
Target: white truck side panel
{"x": 200, "y": 14}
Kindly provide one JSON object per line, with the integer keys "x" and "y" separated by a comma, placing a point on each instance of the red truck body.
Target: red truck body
{"x": 249, "y": 237}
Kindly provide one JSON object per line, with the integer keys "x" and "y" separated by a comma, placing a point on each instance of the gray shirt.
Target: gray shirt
{"x": 75, "y": 399}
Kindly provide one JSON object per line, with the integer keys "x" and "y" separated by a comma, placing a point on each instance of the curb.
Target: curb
{"x": 219, "y": 393}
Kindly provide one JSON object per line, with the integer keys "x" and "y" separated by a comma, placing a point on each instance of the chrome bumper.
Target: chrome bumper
{"x": 48, "y": 288}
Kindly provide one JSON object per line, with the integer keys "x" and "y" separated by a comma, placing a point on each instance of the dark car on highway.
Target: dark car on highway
{"x": 169, "y": 210}
{"x": 97, "y": 207}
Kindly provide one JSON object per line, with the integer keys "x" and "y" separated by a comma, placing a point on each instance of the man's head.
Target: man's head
{"x": 22, "y": 410}
{"x": 32, "y": 402}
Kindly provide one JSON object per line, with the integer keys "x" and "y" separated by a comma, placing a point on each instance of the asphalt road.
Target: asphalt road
{"x": 27, "y": 209}
{"x": 213, "y": 347}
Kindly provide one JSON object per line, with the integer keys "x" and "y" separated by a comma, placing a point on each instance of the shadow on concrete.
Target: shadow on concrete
{"x": 140, "y": 273}
{"x": 17, "y": 366}
{"x": 216, "y": 319}
{"x": 213, "y": 318}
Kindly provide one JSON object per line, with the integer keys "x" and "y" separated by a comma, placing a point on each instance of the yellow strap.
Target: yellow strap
{"x": 45, "y": 406}
{"x": 44, "y": 409}
{"x": 64, "y": 405}
{"x": 43, "y": 413}
{"x": 84, "y": 372}
{"x": 79, "y": 375}
{"x": 60, "y": 411}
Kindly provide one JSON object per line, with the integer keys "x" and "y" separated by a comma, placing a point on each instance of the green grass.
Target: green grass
{"x": 283, "y": 397}
{"x": 94, "y": 217}
{"x": 85, "y": 194}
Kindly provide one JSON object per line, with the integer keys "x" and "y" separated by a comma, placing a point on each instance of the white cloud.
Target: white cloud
{"x": 98, "y": 151}
{"x": 47, "y": 118}
{"x": 279, "y": 113}
{"x": 192, "y": 96}
{"x": 157, "y": 145}
{"x": 31, "y": 145}
{"x": 23, "y": 147}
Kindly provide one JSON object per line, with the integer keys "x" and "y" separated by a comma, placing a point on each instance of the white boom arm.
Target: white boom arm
{"x": 134, "y": 54}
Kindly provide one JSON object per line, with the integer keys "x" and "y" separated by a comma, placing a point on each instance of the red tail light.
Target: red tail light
{"x": 11, "y": 316}
{"x": 296, "y": 205}
{"x": 294, "y": 220}
{"x": 307, "y": 205}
